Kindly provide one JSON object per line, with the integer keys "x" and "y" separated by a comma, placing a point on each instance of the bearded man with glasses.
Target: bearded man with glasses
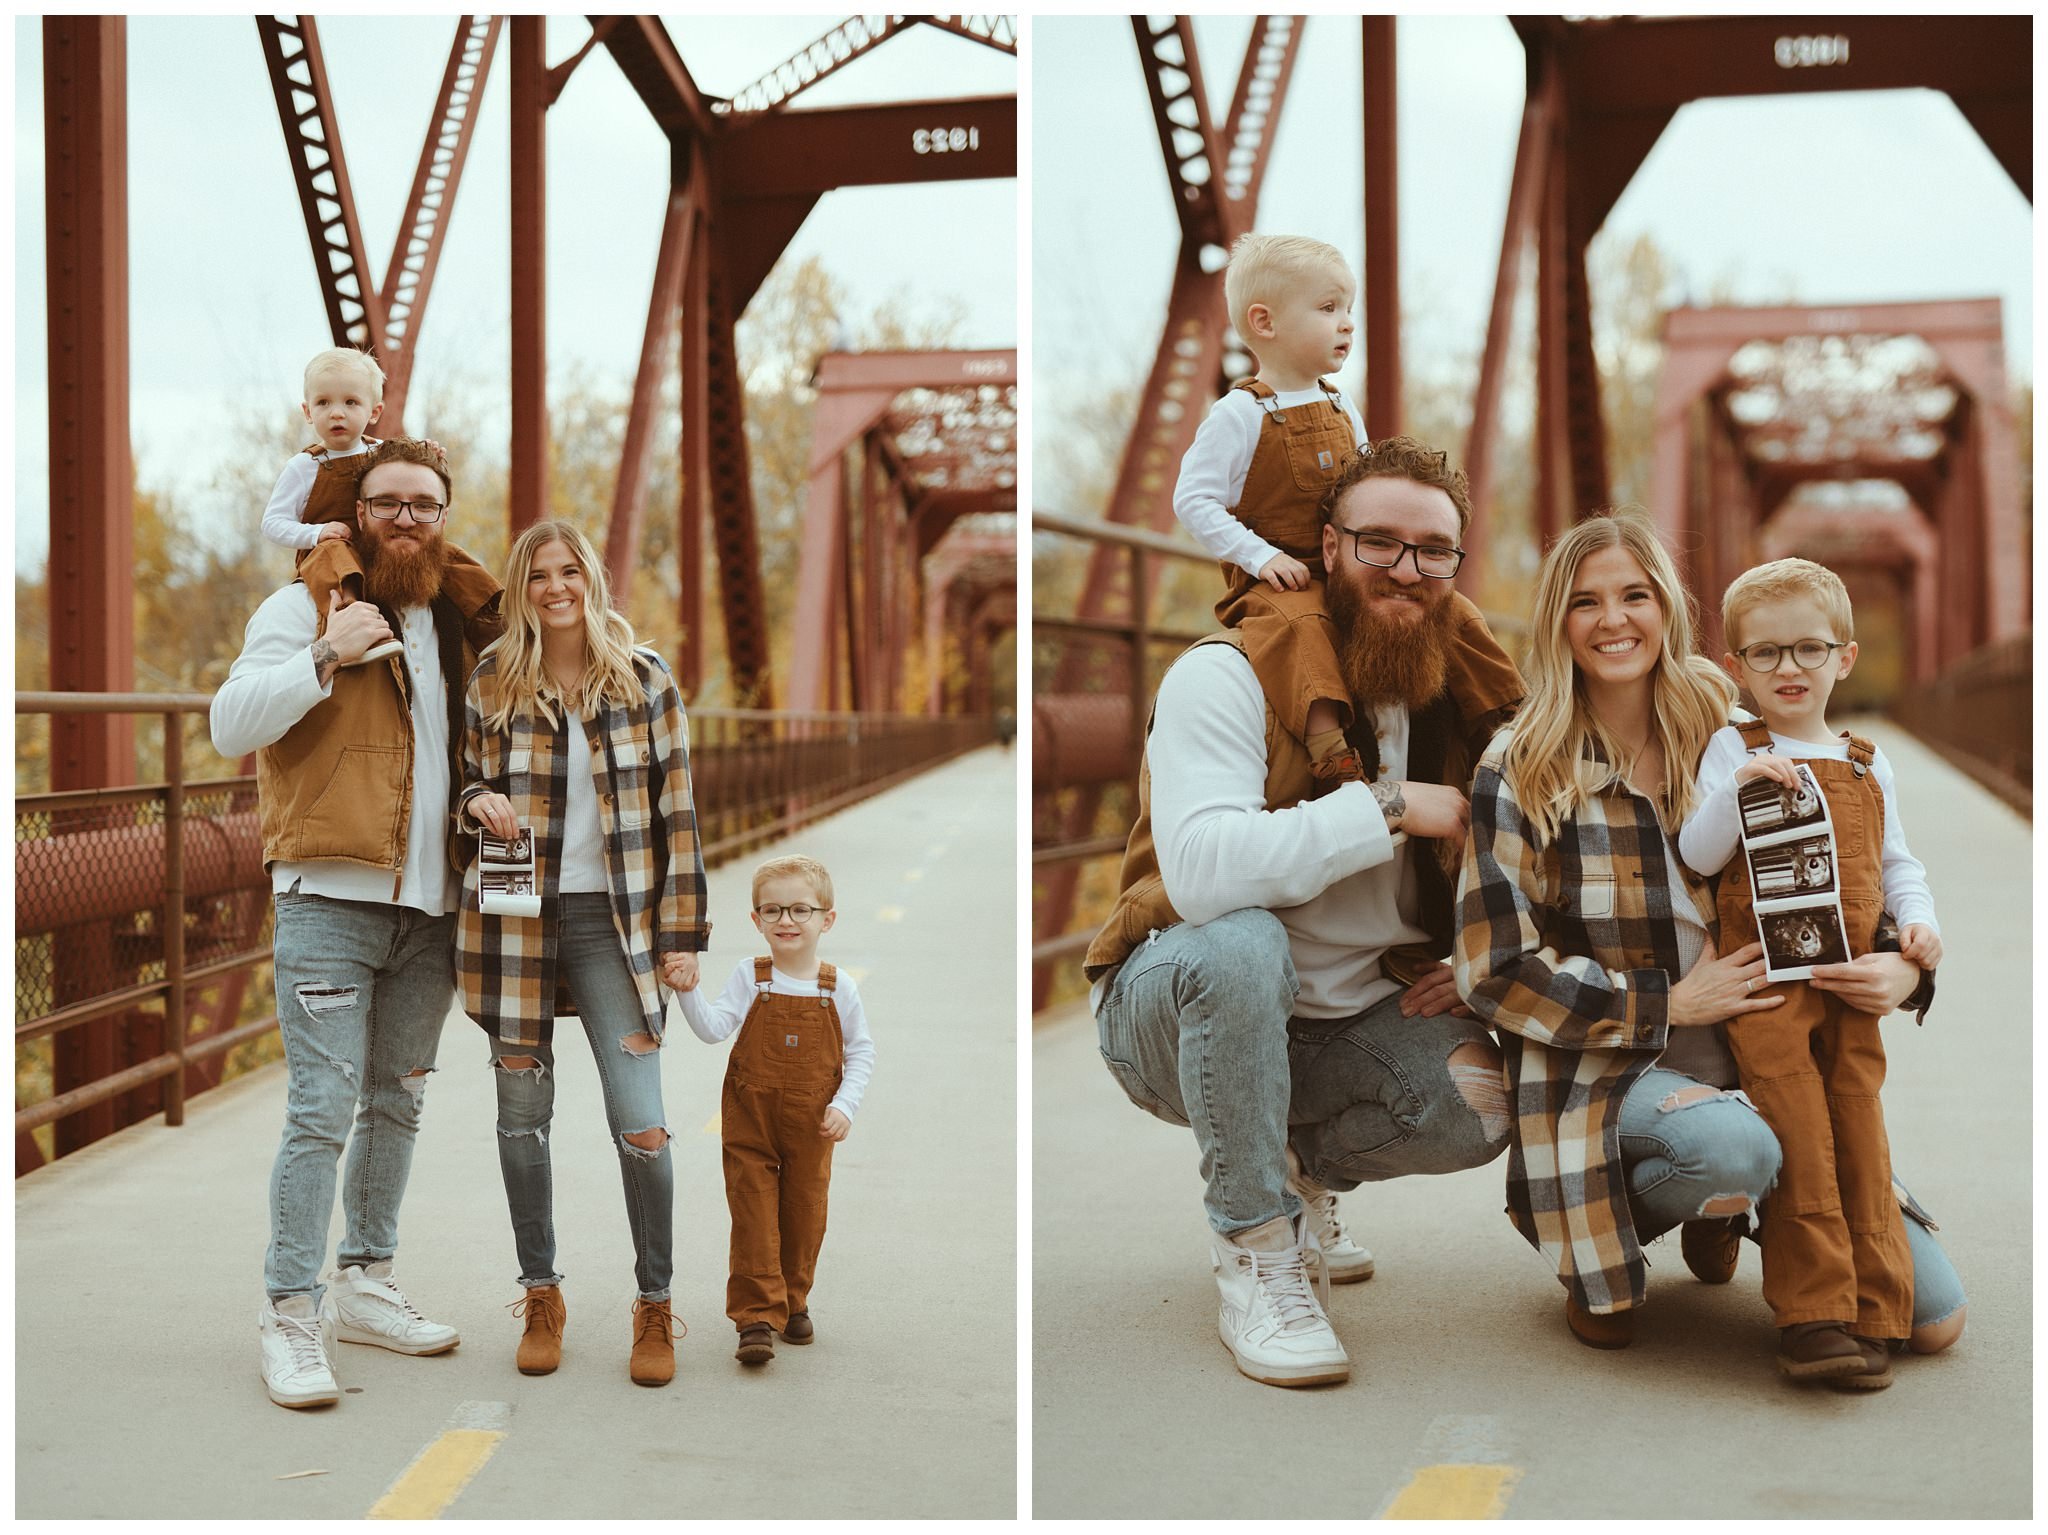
{"x": 1273, "y": 974}
{"x": 355, "y": 768}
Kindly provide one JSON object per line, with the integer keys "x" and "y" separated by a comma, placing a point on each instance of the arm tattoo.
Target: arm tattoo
{"x": 1393, "y": 804}
{"x": 324, "y": 659}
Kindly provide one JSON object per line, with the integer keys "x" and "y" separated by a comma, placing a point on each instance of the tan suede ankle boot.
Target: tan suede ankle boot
{"x": 540, "y": 1347}
{"x": 654, "y": 1344}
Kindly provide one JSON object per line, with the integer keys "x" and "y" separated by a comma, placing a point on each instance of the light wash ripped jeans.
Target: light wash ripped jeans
{"x": 593, "y": 964}
{"x": 1680, "y": 1157}
{"x": 1197, "y": 1028}
{"x": 362, "y": 991}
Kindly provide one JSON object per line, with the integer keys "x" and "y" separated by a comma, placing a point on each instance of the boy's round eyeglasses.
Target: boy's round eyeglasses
{"x": 1384, "y": 553}
{"x": 1808, "y": 655}
{"x": 387, "y": 508}
{"x": 797, "y": 913}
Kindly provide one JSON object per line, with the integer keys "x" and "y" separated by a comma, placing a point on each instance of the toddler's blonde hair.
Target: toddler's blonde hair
{"x": 1779, "y": 579}
{"x": 1263, "y": 266}
{"x": 346, "y": 359}
{"x": 796, "y": 866}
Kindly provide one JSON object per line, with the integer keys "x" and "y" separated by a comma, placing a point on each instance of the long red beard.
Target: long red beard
{"x": 396, "y": 577}
{"x": 1390, "y": 660}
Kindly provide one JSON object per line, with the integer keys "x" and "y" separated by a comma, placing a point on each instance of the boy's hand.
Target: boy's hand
{"x": 1921, "y": 944}
{"x": 1769, "y": 766}
{"x": 1284, "y": 573}
{"x": 333, "y": 530}
{"x": 835, "y": 1126}
{"x": 679, "y": 971}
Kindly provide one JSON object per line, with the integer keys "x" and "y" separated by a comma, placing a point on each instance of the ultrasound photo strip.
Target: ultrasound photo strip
{"x": 1788, "y": 845}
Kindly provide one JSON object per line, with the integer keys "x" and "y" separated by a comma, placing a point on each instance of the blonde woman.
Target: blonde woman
{"x": 577, "y": 736}
{"x": 1590, "y": 948}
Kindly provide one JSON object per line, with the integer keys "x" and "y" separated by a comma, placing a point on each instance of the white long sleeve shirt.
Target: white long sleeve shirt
{"x": 1329, "y": 869}
{"x": 718, "y": 1019}
{"x": 1212, "y": 473}
{"x": 1713, "y": 832}
{"x": 271, "y": 687}
{"x": 287, "y": 502}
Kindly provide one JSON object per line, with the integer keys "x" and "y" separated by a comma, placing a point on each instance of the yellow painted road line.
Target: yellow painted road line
{"x": 450, "y": 1463}
{"x": 1455, "y": 1492}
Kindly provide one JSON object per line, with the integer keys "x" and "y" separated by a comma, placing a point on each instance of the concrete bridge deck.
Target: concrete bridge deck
{"x": 1467, "y": 1396}
{"x": 138, "y": 1264}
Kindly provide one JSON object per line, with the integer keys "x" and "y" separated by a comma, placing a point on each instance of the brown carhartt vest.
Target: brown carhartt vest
{"x": 1438, "y": 752}
{"x": 338, "y": 784}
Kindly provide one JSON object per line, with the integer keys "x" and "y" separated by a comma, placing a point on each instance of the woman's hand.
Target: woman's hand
{"x": 1718, "y": 988}
{"x": 1875, "y": 984}
{"x": 494, "y": 813}
{"x": 1434, "y": 993}
{"x": 679, "y": 971}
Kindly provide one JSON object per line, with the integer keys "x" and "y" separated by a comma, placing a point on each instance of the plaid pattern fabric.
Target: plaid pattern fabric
{"x": 1568, "y": 950}
{"x": 641, "y": 768}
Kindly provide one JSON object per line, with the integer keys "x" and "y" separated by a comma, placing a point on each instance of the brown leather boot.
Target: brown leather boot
{"x": 798, "y": 1328}
{"x": 1818, "y": 1351}
{"x": 1877, "y": 1367}
{"x": 654, "y": 1344}
{"x": 1610, "y": 1329}
{"x": 1710, "y": 1249}
{"x": 540, "y": 1346}
{"x": 757, "y": 1344}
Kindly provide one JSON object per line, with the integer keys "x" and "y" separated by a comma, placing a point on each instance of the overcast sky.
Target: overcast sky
{"x": 1816, "y": 198}
{"x": 225, "y": 307}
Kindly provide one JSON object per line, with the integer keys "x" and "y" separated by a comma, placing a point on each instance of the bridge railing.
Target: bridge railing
{"x": 142, "y": 912}
{"x": 1979, "y": 715}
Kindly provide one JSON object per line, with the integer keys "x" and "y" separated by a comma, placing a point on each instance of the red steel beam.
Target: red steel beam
{"x": 1187, "y": 139}
{"x": 305, "y": 108}
{"x": 92, "y": 623}
{"x": 1382, "y": 231}
{"x": 409, "y": 276}
{"x": 529, "y": 136}
{"x": 641, "y": 47}
{"x": 694, "y": 497}
{"x": 815, "y": 61}
{"x": 629, "y": 493}
{"x": 788, "y": 154}
{"x": 733, "y": 528}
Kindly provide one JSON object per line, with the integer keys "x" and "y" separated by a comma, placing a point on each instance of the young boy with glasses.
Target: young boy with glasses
{"x": 1251, "y": 488}
{"x": 792, "y": 1085}
{"x": 312, "y": 509}
{"x": 1838, "y": 1273}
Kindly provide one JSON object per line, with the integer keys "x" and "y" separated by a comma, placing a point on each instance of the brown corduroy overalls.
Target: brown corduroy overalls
{"x": 333, "y": 562}
{"x": 1287, "y": 635}
{"x": 1834, "y": 1241}
{"x": 779, "y": 1080}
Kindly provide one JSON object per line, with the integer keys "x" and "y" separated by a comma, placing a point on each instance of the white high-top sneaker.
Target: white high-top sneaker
{"x": 1272, "y": 1318}
{"x": 366, "y": 1306}
{"x": 1346, "y": 1260}
{"x": 294, "y": 1350}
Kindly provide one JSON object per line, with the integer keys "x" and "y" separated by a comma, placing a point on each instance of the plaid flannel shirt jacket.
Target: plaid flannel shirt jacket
{"x": 640, "y": 763}
{"x": 1568, "y": 949}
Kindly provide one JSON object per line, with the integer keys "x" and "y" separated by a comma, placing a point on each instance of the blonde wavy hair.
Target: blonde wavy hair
{"x": 523, "y": 681}
{"x": 1546, "y": 761}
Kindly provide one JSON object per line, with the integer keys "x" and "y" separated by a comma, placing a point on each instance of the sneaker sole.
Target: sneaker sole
{"x": 378, "y": 1340}
{"x": 1289, "y": 1375}
{"x": 1358, "y": 1275}
{"x": 326, "y": 1399}
{"x": 1821, "y": 1369}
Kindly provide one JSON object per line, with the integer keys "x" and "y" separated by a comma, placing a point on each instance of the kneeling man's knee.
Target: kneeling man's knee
{"x": 1246, "y": 952}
